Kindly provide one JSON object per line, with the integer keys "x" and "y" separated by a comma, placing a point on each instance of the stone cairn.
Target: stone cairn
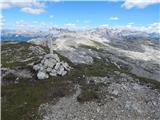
{"x": 51, "y": 65}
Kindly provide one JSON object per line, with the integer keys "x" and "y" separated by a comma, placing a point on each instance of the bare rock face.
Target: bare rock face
{"x": 51, "y": 65}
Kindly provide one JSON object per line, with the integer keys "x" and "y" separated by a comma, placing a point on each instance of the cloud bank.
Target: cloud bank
{"x": 128, "y": 4}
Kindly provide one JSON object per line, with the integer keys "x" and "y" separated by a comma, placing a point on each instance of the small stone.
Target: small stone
{"x": 42, "y": 75}
{"x": 60, "y": 70}
{"x": 36, "y": 67}
{"x": 63, "y": 73}
{"x": 42, "y": 61}
{"x": 53, "y": 74}
{"x": 66, "y": 66}
{"x": 49, "y": 69}
{"x": 42, "y": 68}
{"x": 98, "y": 109}
{"x": 57, "y": 66}
{"x": 115, "y": 92}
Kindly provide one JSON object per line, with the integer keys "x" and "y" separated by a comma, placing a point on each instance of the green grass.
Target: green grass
{"x": 101, "y": 68}
{"x": 90, "y": 92}
{"x": 154, "y": 84}
{"x": 17, "y": 63}
{"x": 9, "y": 78}
{"x": 6, "y": 45}
{"x": 87, "y": 95}
{"x": 21, "y": 101}
{"x": 14, "y": 51}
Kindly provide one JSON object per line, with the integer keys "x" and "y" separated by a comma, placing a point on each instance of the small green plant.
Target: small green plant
{"x": 87, "y": 95}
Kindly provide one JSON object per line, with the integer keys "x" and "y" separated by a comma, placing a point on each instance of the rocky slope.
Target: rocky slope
{"x": 133, "y": 48}
{"x": 114, "y": 78}
{"x": 122, "y": 100}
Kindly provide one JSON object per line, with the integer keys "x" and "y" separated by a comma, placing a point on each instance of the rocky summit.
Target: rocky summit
{"x": 51, "y": 65}
{"x": 99, "y": 74}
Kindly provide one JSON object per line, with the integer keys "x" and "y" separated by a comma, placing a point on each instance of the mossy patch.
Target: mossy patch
{"x": 154, "y": 84}
{"x": 89, "y": 93}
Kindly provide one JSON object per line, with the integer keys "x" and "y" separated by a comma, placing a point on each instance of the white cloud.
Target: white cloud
{"x": 28, "y": 6}
{"x": 55, "y": 0}
{"x": 130, "y": 24}
{"x": 16, "y": 3}
{"x": 51, "y": 16}
{"x": 154, "y": 27}
{"x": 139, "y": 3}
{"x": 104, "y": 25}
{"x": 1, "y": 17}
{"x": 70, "y": 24}
{"x": 2, "y": 21}
{"x": 32, "y": 10}
{"x": 73, "y": 26}
{"x": 113, "y": 18}
{"x": 21, "y": 25}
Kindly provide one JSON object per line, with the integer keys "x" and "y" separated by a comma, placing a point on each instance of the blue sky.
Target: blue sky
{"x": 80, "y": 13}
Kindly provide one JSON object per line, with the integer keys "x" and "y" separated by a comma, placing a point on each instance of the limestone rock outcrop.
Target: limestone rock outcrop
{"x": 51, "y": 65}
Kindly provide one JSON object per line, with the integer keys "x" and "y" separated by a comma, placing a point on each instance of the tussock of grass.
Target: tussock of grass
{"x": 87, "y": 95}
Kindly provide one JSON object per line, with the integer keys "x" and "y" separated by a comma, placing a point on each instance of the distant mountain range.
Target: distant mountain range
{"x": 112, "y": 34}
